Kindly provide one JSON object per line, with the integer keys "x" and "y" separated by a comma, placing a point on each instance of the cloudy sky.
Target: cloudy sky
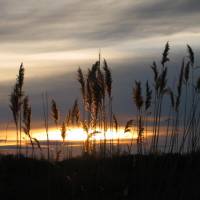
{"x": 53, "y": 38}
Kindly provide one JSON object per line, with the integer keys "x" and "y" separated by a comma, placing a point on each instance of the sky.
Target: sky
{"x": 53, "y": 38}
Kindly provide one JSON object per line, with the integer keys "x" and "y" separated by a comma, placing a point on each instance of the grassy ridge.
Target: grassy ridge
{"x": 127, "y": 177}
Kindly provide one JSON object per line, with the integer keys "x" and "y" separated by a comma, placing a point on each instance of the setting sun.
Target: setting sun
{"x": 78, "y": 134}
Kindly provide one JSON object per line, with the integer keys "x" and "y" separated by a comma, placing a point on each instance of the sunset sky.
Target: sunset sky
{"x": 53, "y": 38}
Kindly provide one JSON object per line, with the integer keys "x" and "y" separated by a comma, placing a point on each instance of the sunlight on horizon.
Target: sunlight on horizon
{"x": 72, "y": 134}
{"x": 78, "y": 134}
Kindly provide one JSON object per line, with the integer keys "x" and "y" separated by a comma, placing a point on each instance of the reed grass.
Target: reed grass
{"x": 95, "y": 112}
{"x": 16, "y": 100}
{"x": 27, "y": 121}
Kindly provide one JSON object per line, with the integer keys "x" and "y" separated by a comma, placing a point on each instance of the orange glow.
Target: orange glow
{"x": 78, "y": 134}
{"x": 74, "y": 134}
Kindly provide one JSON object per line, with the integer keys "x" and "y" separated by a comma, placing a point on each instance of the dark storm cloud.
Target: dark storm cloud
{"x": 31, "y": 27}
{"x": 94, "y": 23}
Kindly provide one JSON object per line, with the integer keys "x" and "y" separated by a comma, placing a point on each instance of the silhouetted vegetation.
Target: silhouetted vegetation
{"x": 170, "y": 176}
{"x": 95, "y": 112}
{"x": 164, "y": 165}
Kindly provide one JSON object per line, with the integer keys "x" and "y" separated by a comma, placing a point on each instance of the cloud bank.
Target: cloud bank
{"x": 53, "y": 38}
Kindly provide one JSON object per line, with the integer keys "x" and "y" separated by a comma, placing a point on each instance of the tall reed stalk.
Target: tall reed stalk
{"x": 160, "y": 89}
{"x": 16, "y": 100}
{"x": 45, "y": 108}
{"x": 27, "y": 121}
{"x": 138, "y": 100}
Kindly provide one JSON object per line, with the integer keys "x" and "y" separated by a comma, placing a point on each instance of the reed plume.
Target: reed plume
{"x": 165, "y": 54}
{"x": 75, "y": 115}
{"x": 160, "y": 87}
{"x": 108, "y": 78}
{"x": 128, "y": 126}
{"x": 20, "y": 83}
{"x": 81, "y": 80}
{"x": 137, "y": 95}
{"x": 191, "y": 55}
{"x": 138, "y": 100}
{"x": 108, "y": 86}
{"x": 148, "y": 96}
{"x": 88, "y": 97}
{"x": 54, "y": 112}
{"x": 155, "y": 71}
{"x": 16, "y": 103}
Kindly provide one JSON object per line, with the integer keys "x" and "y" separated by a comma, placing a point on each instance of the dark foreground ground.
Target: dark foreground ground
{"x": 139, "y": 177}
